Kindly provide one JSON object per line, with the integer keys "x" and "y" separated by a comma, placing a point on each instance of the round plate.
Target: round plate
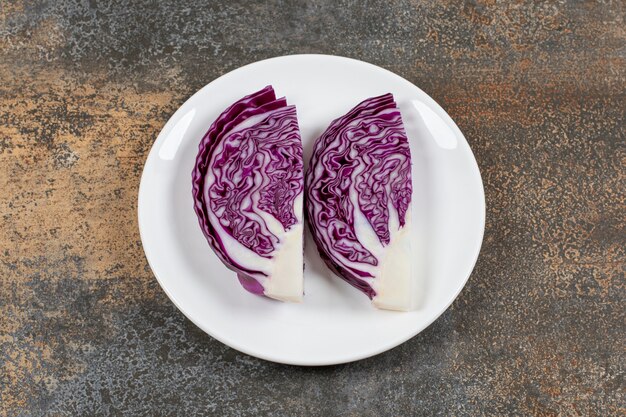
{"x": 335, "y": 323}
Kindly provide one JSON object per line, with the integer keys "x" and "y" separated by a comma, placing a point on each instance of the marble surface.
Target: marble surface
{"x": 537, "y": 88}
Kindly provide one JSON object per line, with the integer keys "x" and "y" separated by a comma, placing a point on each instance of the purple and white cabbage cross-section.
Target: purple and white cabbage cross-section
{"x": 248, "y": 194}
{"x": 358, "y": 202}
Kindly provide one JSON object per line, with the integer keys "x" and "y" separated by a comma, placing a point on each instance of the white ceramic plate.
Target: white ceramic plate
{"x": 336, "y": 323}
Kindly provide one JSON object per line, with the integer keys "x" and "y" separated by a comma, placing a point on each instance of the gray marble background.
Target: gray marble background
{"x": 537, "y": 88}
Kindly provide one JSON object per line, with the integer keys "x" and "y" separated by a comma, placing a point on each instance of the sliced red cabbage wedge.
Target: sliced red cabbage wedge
{"x": 248, "y": 192}
{"x": 358, "y": 202}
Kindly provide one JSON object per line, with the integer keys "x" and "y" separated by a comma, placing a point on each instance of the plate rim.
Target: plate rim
{"x": 304, "y": 362}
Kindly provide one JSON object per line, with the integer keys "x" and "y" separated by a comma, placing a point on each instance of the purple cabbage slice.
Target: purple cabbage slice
{"x": 247, "y": 186}
{"x": 358, "y": 202}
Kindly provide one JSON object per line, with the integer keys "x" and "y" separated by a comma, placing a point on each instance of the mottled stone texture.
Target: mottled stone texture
{"x": 538, "y": 89}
